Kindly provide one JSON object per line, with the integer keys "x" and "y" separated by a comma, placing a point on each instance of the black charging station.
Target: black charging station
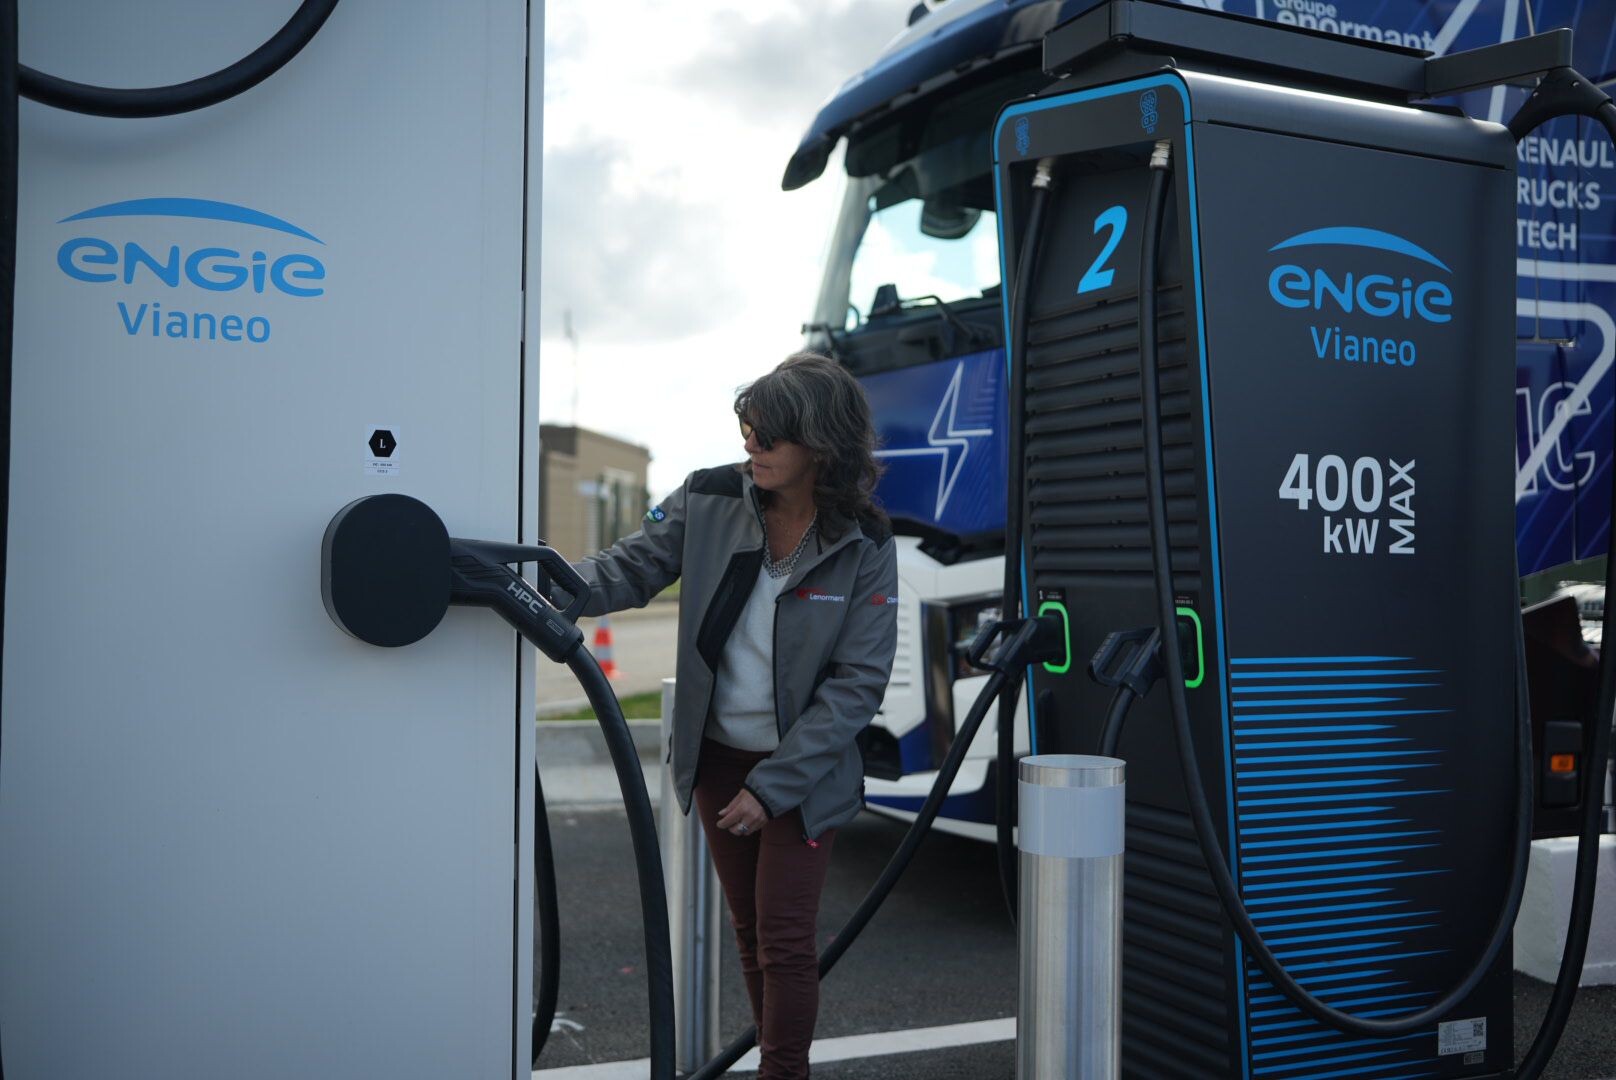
{"x": 1335, "y": 306}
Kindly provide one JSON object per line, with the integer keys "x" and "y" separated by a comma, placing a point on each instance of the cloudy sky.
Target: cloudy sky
{"x": 687, "y": 271}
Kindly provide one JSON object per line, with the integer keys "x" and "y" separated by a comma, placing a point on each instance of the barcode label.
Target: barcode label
{"x": 1461, "y": 1036}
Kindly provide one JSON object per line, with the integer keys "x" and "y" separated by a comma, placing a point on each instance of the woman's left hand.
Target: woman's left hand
{"x": 744, "y": 814}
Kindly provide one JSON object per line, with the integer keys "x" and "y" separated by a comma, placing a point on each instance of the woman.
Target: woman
{"x": 787, "y": 626}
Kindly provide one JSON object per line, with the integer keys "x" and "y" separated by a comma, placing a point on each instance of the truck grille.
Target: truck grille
{"x": 903, "y": 660}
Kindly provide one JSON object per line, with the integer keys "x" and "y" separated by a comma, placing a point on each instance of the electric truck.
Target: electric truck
{"x": 910, "y": 301}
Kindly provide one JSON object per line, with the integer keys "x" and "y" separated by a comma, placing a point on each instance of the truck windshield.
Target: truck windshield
{"x": 917, "y": 219}
{"x": 920, "y": 247}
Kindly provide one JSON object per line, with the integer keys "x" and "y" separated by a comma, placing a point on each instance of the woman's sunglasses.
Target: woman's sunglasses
{"x": 764, "y": 439}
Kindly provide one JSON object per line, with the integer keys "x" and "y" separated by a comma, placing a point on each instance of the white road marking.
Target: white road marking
{"x": 846, "y": 1048}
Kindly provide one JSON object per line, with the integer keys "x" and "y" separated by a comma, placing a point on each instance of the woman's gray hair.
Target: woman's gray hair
{"x": 813, "y": 401}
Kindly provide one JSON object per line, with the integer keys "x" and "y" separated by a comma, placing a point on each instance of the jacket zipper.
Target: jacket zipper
{"x": 774, "y": 663}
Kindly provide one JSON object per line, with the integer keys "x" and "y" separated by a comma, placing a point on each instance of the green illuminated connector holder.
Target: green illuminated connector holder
{"x": 1190, "y": 633}
{"x": 1066, "y": 633}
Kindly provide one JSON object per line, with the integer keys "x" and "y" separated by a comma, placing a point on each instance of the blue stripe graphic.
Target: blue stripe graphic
{"x": 1340, "y": 798}
{"x": 1369, "y": 1055}
{"x": 1298, "y": 744}
{"x": 1342, "y": 1060}
{"x": 1336, "y": 714}
{"x": 1326, "y": 812}
{"x": 1319, "y": 659}
{"x": 1342, "y": 839}
{"x": 205, "y": 209}
{"x": 1247, "y": 732}
{"x": 1270, "y": 916}
{"x": 1313, "y": 826}
{"x": 1302, "y": 856}
{"x": 1314, "y": 1036}
{"x": 1312, "y": 687}
{"x": 1348, "y": 1045}
{"x": 1283, "y": 1024}
{"x": 1353, "y": 920}
{"x": 1357, "y": 864}
{"x": 1341, "y": 771}
{"x": 1317, "y": 785}
{"x": 1310, "y": 729}
{"x": 1353, "y": 1003}
{"x": 1348, "y": 880}
{"x": 1328, "y": 992}
{"x": 1308, "y": 701}
{"x": 1337, "y": 895}
{"x": 1336, "y": 950}
{"x": 1336, "y": 674}
{"x": 1260, "y": 980}
{"x": 1347, "y": 935}
{"x": 1356, "y": 755}
{"x": 1350, "y": 1002}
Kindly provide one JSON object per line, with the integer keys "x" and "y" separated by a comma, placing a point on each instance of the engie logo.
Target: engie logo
{"x": 820, "y": 594}
{"x": 1375, "y": 286}
{"x": 248, "y": 268}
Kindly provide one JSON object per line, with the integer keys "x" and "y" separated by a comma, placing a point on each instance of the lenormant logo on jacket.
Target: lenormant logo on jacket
{"x": 821, "y": 594}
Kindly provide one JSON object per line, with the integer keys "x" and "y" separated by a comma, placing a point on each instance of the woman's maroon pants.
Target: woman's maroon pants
{"x": 772, "y": 880}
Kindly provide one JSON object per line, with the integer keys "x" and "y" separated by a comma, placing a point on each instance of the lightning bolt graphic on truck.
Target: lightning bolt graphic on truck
{"x": 910, "y": 302}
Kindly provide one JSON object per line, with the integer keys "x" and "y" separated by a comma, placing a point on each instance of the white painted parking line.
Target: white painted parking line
{"x": 846, "y": 1048}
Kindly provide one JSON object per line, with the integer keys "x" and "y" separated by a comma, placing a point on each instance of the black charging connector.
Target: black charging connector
{"x": 1046, "y": 643}
{"x": 480, "y": 577}
{"x": 1130, "y": 658}
{"x": 1130, "y": 662}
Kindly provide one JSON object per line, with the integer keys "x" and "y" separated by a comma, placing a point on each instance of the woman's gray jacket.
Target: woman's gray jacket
{"x": 835, "y": 630}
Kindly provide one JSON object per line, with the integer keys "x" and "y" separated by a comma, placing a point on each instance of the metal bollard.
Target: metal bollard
{"x": 694, "y": 904}
{"x": 1069, "y": 1017}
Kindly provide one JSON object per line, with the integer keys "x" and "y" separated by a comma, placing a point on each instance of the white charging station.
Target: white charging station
{"x": 234, "y": 840}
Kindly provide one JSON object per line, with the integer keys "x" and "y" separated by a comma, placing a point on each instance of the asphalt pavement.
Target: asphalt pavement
{"x": 940, "y": 954}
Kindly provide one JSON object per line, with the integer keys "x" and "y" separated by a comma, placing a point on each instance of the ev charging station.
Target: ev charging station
{"x": 270, "y": 369}
{"x": 1280, "y": 426}
{"x": 236, "y": 841}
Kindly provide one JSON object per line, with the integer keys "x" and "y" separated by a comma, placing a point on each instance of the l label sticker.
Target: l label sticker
{"x": 381, "y": 450}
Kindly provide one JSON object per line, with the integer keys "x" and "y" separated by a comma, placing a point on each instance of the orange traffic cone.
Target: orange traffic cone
{"x": 603, "y": 647}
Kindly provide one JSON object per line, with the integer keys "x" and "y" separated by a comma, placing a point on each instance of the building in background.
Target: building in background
{"x": 592, "y": 488}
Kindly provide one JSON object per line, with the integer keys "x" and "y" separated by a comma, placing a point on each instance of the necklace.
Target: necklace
{"x": 783, "y": 567}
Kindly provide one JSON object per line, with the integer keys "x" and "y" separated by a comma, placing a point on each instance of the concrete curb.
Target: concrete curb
{"x": 579, "y": 742}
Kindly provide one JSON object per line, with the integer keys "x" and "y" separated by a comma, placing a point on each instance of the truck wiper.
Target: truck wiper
{"x": 952, "y": 323}
{"x": 833, "y": 345}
